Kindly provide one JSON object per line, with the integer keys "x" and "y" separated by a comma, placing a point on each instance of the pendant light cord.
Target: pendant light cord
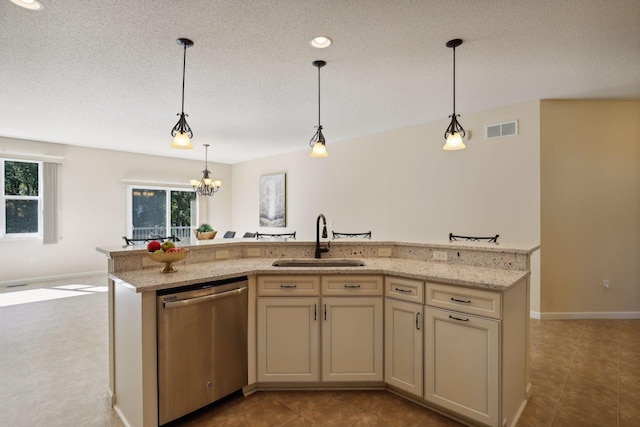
{"x": 184, "y": 66}
{"x": 318, "y": 97}
{"x": 454, "y": 81}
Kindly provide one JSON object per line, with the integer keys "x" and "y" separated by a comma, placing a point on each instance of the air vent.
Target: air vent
{"x": 501, "y": 129}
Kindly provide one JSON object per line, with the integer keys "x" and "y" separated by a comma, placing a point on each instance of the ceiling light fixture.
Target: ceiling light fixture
{"x": 28, "y": 4}
{"x": 181, "y": 131}
{"x": 454, "y": 132}
{"x": 320, "y": 42}
{"x": 206, "y": 186}
{"x": 317, "y": 140}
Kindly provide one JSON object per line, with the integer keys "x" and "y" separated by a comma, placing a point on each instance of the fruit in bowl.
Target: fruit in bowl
{"x": 167, "y": 254}
{"x": 168, "y": 245}
{"x": 154, "y": 245}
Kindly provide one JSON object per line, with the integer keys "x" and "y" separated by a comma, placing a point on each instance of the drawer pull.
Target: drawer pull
{"x": 460, "y": 300}
{"x": 406, "y": 291}
{"x": 457, "y": 318}
{"x": 351, "y": 286}
{"x": 288, "y": 286}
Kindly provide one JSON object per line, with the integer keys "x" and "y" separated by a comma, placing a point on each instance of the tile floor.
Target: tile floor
{"x": 53, "y": 371}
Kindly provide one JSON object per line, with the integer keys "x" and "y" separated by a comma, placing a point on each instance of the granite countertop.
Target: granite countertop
{"x": 123, "y": 250}
{"x": 150, "y": 279}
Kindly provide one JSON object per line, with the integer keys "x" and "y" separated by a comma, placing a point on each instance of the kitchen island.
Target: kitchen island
{"x": 491, "y": 283}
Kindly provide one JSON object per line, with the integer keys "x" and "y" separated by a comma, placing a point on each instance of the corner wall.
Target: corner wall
{"x": 590, "y": 208}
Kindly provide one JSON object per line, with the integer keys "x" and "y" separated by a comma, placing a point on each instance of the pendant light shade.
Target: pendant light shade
{"x": 455, "y": 132}
{"x": 317, "y": 141}
{"x": 28, "y": 4}
{"x": 206, "y": 186}
{"x": 181, "y": 131}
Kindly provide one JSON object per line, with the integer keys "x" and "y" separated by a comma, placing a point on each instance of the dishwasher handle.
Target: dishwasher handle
{"x": 198, "y": 300}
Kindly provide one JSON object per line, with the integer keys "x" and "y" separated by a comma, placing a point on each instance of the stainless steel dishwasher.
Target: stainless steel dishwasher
{"x": 202, "y": 345}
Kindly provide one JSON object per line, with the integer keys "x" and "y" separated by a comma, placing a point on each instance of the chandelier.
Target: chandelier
{"x": 206, "y": 186}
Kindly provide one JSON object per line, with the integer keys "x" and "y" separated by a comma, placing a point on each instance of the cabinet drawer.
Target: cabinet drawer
{"x": 351, "y": 285}
{"x": 288, "y": 285}
{"x": 465, "y": 300}
{"x": 404, "y": 289}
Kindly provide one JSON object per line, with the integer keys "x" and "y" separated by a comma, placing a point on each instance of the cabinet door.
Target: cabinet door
{"x": 288, "y": 339}
{"x": 461, "y": 364}
{"x": 352, "y": 339}
{"x": 403, "y": 332}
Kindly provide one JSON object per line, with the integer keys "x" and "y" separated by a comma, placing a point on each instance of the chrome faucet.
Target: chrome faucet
{"x": 319, "y": 249}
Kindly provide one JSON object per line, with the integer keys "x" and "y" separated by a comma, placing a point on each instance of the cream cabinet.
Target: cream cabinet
{"x": 288, "y": 338}
{"x": 475, "y": 351}
{"x": 352, "y": 339}
{"x": 403, "y": 345}
{"x": 290, "y": 321}
{"x": 288, "y": 328}
{"x": 403, "y": 332}
{"x": 352, "y": 335}
{"x": 351, "y": 285}
{"x": 461, "y": 364}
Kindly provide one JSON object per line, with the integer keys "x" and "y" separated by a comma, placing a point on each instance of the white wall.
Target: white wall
{"x": 93, "y": 206}
{"x": 403, "y": 186}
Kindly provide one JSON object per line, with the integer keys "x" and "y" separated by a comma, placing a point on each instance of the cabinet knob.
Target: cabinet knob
{"x": 209, "y": 384}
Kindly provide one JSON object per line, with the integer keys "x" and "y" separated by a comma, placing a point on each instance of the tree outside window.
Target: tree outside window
{"x": 158, "y": 212}
{"x": 21, "y": 197}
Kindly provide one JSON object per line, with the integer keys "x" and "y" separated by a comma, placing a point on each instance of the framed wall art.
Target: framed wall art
{"x": 272, "y": 201}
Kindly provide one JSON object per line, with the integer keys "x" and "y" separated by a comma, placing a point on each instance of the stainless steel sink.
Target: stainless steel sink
{"x": 313, "y": 262}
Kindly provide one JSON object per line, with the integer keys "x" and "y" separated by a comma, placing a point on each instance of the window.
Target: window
{"x": 21, "y": 212}
{"x": 157, "y": 211}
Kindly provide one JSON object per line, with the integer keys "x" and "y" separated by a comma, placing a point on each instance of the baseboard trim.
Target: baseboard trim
{"x": 29, "y": 280}
{"x": 514, "y": 422}
{"x": 124, "y": 420}
{"x": 586, "y": 315}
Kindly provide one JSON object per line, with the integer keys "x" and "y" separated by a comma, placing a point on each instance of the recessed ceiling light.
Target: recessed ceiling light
{"x": 28, "y": 4}
{"x": 320, "y": 42}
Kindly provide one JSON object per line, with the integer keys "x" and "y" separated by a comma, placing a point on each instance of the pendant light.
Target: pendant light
{"x": 28, "y": 4}
{"x": 206, "y": 186}
{"x": 317, "y": 141}
{"x": 454, "y": 132}
{"x": 181, "y": 131}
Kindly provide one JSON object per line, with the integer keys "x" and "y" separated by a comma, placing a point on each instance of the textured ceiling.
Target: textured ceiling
{"x": 108, "y": 74}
